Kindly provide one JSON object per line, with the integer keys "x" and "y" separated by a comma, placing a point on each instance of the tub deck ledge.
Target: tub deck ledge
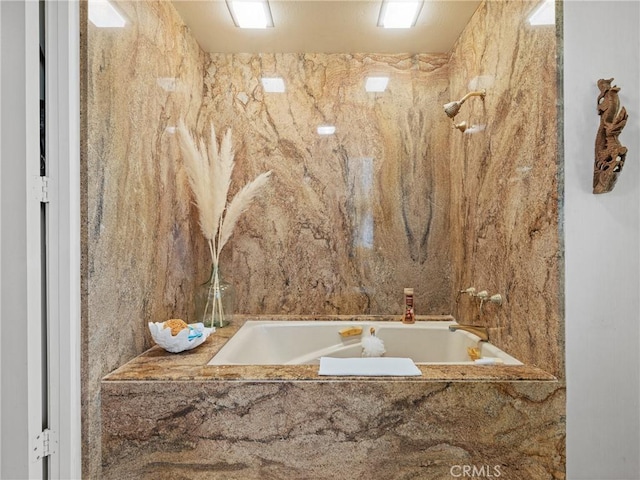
{"x": 158, "y": 365}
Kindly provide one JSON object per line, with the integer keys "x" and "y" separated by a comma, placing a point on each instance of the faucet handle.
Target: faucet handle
{"x": 497, "y": 299}
{"x": 469, "y": 291}
{"x": 483, "y": 295}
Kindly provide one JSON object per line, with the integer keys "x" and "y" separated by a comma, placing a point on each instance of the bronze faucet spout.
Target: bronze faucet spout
{"x": 481, "y": 332}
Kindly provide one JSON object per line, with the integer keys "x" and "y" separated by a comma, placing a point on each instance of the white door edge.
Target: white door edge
{"x": 63, "y": 158}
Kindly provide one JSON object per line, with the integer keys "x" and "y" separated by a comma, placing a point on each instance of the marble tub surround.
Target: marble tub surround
{"x": 350, "y": 219}
{"x": 172, "y": 416}
{"x": 504, "y": 182}
{"x": 331, "y": 429}
{"x": 158, "y": 365}
{"x": 141, "y": 245}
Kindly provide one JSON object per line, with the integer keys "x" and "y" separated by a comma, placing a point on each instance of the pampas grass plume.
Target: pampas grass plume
{"x": 197, "y": 166}
{"x": 209, "y": 173}
{"x": 239, "y": 205}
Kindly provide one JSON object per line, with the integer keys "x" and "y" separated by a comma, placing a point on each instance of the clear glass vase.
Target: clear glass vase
{"x": 215, "y": 301}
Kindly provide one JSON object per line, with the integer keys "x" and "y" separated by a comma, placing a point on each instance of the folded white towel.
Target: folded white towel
{"x": 368, "y": 367}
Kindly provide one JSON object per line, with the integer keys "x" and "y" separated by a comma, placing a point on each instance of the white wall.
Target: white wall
{"x": 63, "y": 215}
{"x": 602, "y": 234}
{"x": 1, "y": 371}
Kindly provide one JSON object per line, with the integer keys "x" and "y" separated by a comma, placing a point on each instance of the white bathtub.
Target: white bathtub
{"x": 304, "y": 342}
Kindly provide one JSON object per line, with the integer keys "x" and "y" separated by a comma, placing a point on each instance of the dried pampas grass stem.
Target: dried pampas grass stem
{"x": 209, "y": 173}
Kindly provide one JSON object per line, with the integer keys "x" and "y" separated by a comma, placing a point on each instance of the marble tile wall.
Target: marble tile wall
{"x": 395, "y": 198}
{"x": 349, "y": 219}
{"x": 504, "y": 182}
{"x": 141, "y": 247}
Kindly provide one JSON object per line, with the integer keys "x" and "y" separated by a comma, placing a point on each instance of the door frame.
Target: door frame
{"x": 62, "y": 67}
{"x": 21, "y": 303}
{"x": 21, "y": 272}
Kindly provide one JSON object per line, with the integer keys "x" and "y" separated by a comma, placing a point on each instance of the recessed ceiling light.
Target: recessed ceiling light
{"x": 326, "y": 130}
{"x": 376, "y": 84}
{"x": 545, "y": 14}
{"x": 399, "y": 13}
{"x": 104, "y": 15}
{"x": 250, "y": 13}
{"x": 272, "y": 84}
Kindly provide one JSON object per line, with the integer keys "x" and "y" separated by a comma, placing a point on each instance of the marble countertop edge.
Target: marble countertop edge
{"x": 309, "y": 373}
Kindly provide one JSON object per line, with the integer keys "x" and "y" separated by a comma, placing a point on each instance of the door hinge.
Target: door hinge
{"x": 41, "y": 189}
{"x": 45, "y": 444}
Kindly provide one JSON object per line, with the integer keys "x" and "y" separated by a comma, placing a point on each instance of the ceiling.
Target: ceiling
{"x": 327, "y": 26}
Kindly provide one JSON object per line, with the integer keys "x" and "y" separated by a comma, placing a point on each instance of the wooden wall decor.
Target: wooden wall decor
{"x": 610, "y": 154}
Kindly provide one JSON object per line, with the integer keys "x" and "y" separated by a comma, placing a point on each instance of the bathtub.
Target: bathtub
{"x": 304, "y": 342}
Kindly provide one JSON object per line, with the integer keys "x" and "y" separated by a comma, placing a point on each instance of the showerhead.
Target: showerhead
{"x": 452, "y": 108}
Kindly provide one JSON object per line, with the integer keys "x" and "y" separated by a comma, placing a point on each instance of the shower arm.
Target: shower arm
{"x": 452, "y": 108}
{"x": 477, "y": 93}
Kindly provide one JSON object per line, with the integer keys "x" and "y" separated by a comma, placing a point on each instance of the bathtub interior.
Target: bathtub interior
{"x": 304, "y": 342}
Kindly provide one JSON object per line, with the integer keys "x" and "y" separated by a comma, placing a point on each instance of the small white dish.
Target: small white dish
{"x": 186, "y": 339}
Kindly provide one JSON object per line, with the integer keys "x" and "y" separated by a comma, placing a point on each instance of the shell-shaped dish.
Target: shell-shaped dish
{"x": 186, "y": 339}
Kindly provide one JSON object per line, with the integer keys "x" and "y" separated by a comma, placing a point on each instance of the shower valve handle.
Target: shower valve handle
{"x": 497, "y": 299}
{"x": 483, "y": 295}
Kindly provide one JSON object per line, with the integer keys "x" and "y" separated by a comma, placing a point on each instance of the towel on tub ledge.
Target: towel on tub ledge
{"x": 368, "y": 367}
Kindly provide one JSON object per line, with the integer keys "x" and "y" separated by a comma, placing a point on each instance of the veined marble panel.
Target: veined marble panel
{"x": 345, "y": 429}
{"x": 351, "y": 219}
{"x": 504, "y": 194}
{"x": 394, "y": 199}
{"x": 141, "y": 246}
